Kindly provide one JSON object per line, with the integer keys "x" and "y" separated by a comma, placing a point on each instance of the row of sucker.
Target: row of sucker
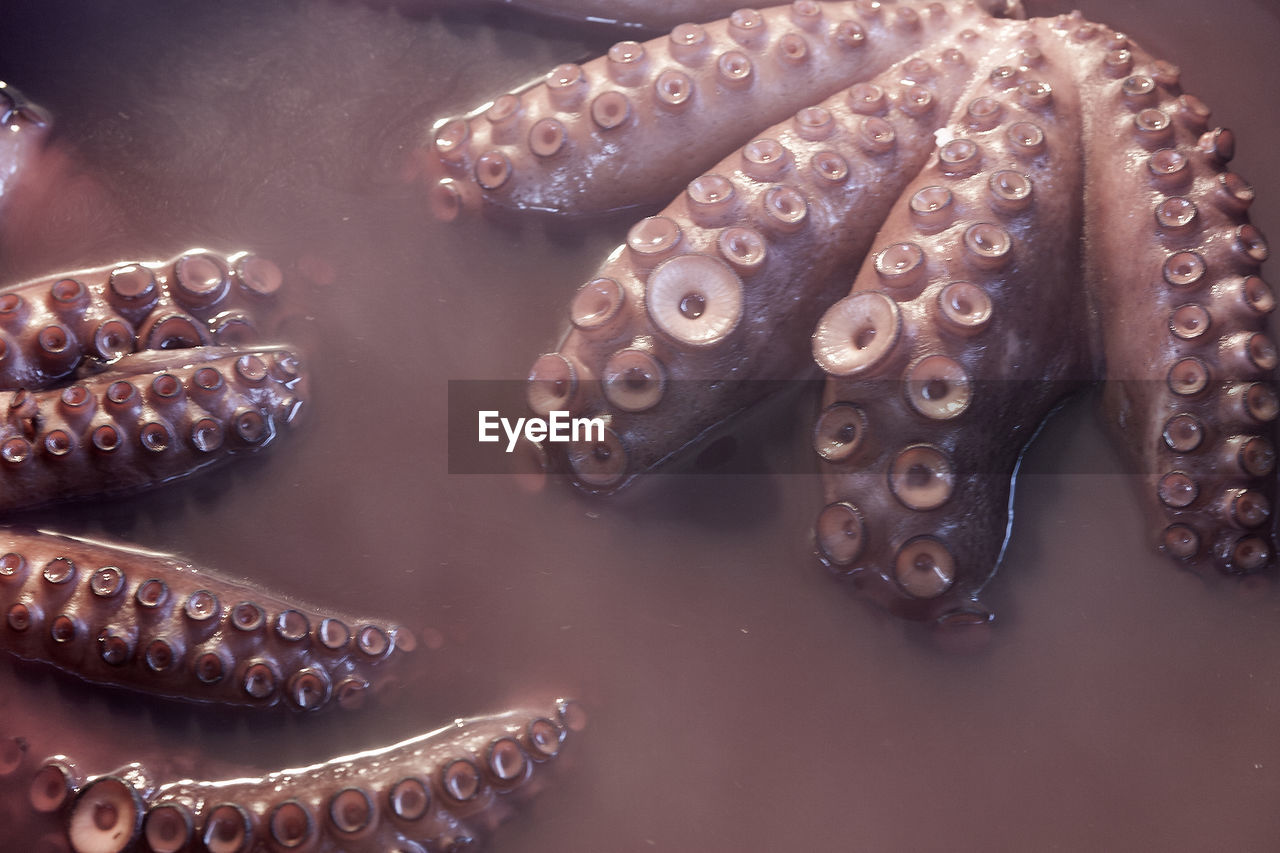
{"x": 706, "y": 308}
{"x": 150, "y": 418}
{"x": 628, "y": 128}
{"x": 441, "y": 791}
{"x": 154, "y": 623}
{"x": 52, "y": 327}
{"x": 948, "y": 352}
{"x": 1193, "y": 395}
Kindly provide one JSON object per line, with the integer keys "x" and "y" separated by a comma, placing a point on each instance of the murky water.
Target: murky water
{"x": 740, "y": 698}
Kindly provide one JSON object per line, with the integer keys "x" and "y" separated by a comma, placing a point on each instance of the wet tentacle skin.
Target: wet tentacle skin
{"x": 1191, "y": 396}
{"x": 630, "y": 127}
{"x": 442, "y": 790}
{"x": 1076, "y": 221}
{"x": 156, "y": 624}
{"x": 128, "y": 377}
{"x": 928, "y": 405}
{"x": 122, "y": 378}
{"x": 706, "y": 289}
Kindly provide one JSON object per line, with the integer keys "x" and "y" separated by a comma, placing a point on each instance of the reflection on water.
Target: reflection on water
{"x": 740, "y": 698}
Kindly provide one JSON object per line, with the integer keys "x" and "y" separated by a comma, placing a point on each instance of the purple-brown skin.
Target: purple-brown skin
{"x": 958, "y": 392}
{"x": 1179, "y": 330}
{"x": 102, "y": 403}
{"x": 960, "y": 361}
{"x": 157, "y": 625}
{"x": 575, "y": 141}
{"x": 648, "y": 366}
{"x": 122, "y": 378}
{"x": 25, "y": 126}
{"x": 1078, "y": 294}
{"x": 442, "y": 790}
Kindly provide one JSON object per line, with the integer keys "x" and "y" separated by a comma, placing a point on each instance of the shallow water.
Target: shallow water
{"x": 740, "y": 698}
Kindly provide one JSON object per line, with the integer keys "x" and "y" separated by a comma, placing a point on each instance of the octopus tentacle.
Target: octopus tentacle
{"x": 149, "y": 419}
{"x": 1190, "y": 394}
{"x": 729, "y": 279}
{"x": 25, "y": 125}
{"x": 626, "y": 129}
{"x": 443, "y": 790}
{"x": 52, "y": 326}
{"x": 943, "y": 359}
{"x": 156, "y": 624}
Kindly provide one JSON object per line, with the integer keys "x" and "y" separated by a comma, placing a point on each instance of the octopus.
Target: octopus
{"x": 1024, "y": 206}
{"x": 121, "y": 379}
{"x": 758, "y": 745}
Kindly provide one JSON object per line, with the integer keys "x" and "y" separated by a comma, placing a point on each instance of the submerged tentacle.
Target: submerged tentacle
{"x": 631, "y": 127}
{"x": 157, "y": 624}
{"x": 24, "y": 126}
{"x": 708, "y": 305}
{"x": 443, "y": 790}
{"x": 55, "y": 325}
{"x": 963, "y": 329}
{"x": 1191, "y": 389}
{"x": 151, "y": 418}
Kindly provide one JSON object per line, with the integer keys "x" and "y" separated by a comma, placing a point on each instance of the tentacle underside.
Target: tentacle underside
{"x": 950, "y": 349}
{"x": 156, "y": 624}
{"x": 53, "y": 326}
{"x": 629, "y": 128}
{"x": 443, "y": 790}
{"x": 708, "y": 305}
{"x": 152, "y": 418}
{"x": 1190, "y": 394}
{"x": 158, "y": 384}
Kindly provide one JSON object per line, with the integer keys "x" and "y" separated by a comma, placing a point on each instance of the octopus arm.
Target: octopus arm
{"x": 950, "y": 350}
{"x": 54, "y": 326}
{"x": 442, "y": 790}
{"x": 707, "y": 307}
{"x": 151, "y": 418}
{"x": 1190, "y": 390}
{"x": 156, "y": 624}
{"x": 630, "y": 128}
{"x": 25, "y": 127}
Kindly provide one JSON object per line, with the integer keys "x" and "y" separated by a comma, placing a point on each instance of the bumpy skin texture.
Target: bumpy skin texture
{"x": 158, "y": 625}
{"x": 653, "y": 366}
{"x": 994, "y": 221}
{"x": 126, "y": 377}
{"x": 1191, "y": 396}
{"x": 445, "y": 790}
{"x": 53, "y": 326}
{"x": 583, "y": 139}
{"x": 1007, "y": 276}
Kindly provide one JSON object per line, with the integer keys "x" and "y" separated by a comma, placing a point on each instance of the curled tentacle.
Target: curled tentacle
{"x": 630, "y": 127}
{"x": 946, "y": 356}
{"x": 1191, "y": 396}
{"x": 443, "y": 790}
{"x": 708, "y": 306}
{"x": 157, "y": 624}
